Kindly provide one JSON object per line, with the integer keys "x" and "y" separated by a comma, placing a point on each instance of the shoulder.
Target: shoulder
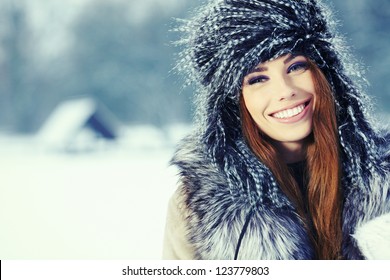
{"x": 176, "y": 241}
{"x": 373, "y": 227}
{"x": 196, "y": 168}
{"x": 177, "y": 205}
{"x": 190, "y": 153}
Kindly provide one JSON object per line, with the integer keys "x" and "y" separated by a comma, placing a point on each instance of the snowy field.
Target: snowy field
{"x": 107, "y": 204}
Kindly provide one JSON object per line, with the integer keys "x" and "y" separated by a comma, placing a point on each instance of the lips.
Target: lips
{"x": 291, "y": 112}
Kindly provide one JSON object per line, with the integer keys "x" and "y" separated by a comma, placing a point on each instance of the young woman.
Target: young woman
{"x": 284, "y": 162}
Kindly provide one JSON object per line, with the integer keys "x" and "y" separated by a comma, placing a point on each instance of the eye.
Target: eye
{"x": 257, "y": 80}
{"x": 298, "y": 67}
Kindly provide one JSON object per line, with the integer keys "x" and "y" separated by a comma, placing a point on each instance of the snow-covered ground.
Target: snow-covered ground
{"x": 107, "y": 204}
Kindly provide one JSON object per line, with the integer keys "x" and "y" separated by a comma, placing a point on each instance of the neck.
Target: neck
{"x": 291, "y": 152}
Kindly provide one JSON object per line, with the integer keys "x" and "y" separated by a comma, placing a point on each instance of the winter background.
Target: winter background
{"x": 90, "y": 113}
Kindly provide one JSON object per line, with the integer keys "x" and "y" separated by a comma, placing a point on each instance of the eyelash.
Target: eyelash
{"x": 301, "y": 65}
{"x": 257, "y": 79}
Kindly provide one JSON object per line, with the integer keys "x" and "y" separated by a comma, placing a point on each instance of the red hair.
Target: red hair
{"x": 323, "y": 169}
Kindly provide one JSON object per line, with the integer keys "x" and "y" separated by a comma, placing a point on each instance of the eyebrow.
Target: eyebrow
{"x": 263, "y": 68}
{"x": 289, "y": 58}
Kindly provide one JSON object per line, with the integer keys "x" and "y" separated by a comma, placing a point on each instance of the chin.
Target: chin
{"x": 294, "y": 135}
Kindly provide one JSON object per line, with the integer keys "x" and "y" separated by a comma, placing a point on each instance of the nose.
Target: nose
{"x": 284, "y": 89}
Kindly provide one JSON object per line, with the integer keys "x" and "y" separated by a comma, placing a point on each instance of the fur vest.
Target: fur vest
{"x": 216, "y": 210}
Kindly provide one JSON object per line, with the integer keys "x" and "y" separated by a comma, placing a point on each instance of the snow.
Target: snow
{"x": 106, "y": 204}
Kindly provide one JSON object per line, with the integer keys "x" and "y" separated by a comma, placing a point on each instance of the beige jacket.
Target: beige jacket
{"x": 176, "y": 245}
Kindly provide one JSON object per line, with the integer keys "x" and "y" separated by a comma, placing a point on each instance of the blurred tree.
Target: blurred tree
{"x": 366, "y": 26}
{"x": 120, "y": 52}
{"x": 28, "y": 90}
{"x": 377, "y": 50}
{"x": 125, "y": 63}
{"x": 15, "y": 74}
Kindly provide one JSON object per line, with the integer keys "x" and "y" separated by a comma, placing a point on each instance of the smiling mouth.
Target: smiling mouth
{"x": 292, "y": 112}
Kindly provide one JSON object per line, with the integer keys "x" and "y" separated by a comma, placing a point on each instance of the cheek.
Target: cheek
{"x": 255, "y": 105}
{"x": 307, "y": 83}
{"x": 311, "y": 91}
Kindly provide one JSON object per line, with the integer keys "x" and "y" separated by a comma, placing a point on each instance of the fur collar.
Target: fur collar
{"x": 218, "y": 209}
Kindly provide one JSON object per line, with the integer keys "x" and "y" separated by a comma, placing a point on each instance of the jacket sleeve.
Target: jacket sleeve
{"x": 176, "y": 245}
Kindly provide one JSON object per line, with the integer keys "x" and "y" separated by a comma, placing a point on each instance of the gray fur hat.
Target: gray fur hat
{"x": 225, "y": 39}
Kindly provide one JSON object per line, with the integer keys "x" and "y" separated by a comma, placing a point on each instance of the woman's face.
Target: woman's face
{"x": 280, "y": 97}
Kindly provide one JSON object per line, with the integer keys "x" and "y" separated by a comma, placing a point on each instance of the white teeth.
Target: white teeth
{"x": 289, "y": 112}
